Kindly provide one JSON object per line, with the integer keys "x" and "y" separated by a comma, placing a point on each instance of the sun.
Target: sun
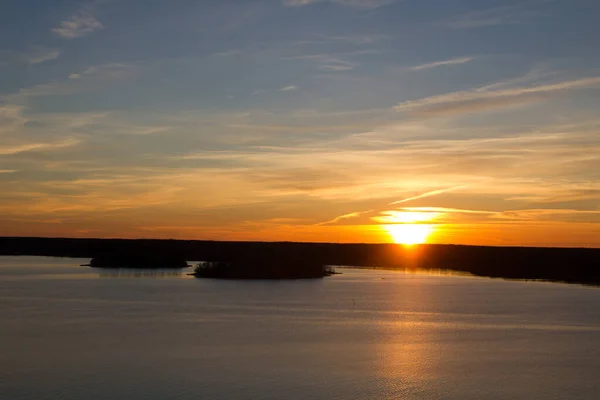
{"x": 408, "y": 226}
{"x": 409, "y": 234}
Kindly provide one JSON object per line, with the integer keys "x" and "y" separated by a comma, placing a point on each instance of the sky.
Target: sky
{"x": 446, "y": 121}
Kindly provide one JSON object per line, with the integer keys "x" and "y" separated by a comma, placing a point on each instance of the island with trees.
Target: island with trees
{"x": 261, "y": 269}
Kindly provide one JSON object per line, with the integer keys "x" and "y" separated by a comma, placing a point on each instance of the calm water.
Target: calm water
{"x": 70, "y": 332}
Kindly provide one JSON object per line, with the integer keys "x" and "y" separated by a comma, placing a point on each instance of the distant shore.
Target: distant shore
{"x": 569, "y": 265}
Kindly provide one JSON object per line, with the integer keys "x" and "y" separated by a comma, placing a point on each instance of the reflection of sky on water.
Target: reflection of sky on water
{"x": 362, "y": 334}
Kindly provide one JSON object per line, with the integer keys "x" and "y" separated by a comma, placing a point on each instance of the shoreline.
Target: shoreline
{"x": 564, "y": 265}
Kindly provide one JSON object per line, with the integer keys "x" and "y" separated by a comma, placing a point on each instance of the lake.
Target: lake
{"x": 71, "y": 332}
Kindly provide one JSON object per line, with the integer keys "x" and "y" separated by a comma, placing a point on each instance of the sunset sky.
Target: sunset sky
{"x": 454, "y": 121}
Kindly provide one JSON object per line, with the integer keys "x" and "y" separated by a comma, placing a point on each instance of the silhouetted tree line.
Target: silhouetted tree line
{"x": 555, "y": 264}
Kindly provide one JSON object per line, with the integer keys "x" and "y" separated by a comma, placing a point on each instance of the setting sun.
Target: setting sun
{"x": 409, "y": 234}
{"x": 402, "y": 226}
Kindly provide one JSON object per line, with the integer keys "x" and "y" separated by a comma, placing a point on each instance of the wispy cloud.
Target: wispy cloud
{"x": 354, "y": 39}
{"x": 105, "y": 71}
{"x": 453, "y": 61}
{"x": 35, "y": 55}
{"x": 41, "y": 54}
{"x": 485, "y": 99}
{"x": 345, "y": 216}
{"x": 555, "y": 214}
{"x": 504, "y": 15}
{"x": 88, "y": 79}
{"x": 327, "y": 62}
{"x": 459, "y": 216}
{"x": 334, "y": 62}
{"x": 405, "y": 217}
{"x": 228, "y": 53}
{"x": 12, "y": 119}
{"x": 337, "y": 66}
{"x": 289, "y": 88}
{"x": 446, "y": 210}
{"x": 364, "y": 4}
{"x": 82, "y": 23}
{"x": 570, "y": 195}
{"x": 7, "y": 150}
{"x": 427, "y": 194}
{"x": 536, "y": 75}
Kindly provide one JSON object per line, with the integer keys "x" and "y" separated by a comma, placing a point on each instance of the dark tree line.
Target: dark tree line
{"x": 555, "y": 264}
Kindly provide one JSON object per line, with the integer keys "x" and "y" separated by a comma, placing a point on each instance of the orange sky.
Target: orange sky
{"x": 498, "y": 234}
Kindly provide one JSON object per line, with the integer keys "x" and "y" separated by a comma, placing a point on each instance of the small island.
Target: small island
{"x": 261, "y": 269}
{"x": 138, "y": 261}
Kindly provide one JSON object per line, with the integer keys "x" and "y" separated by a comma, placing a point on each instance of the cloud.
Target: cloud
{"x": 328, "y": 62}
{"x": 110, "y": 71}
{"x": 485, "y": 99}
{"x": 333, "y": 62}
{"x": 229, "y": 53}
{"x": 457, "y": 216}
{"x": 38, "y": 55}
{"x": 293, "y": 180}
{"x": 427, "y": 194}
{"x": 504, "y": 15}
{"x": 405, "y": 217}
{"x": 41, "y": 54}
{"x": 478, "y": 105}
{"x": 353, "y": 39}
{"x": 16, "y": 149}
{"x": 35, "y": 55}
{"x": 88, "y": 79}
{"x": 12, "y": 118}
{"x": 289, "y": 88}
{"x": 345, "y": 216}
{"x": 446, "y": 210}
{"x": 454, "y": 61}
{"x": 337, "y": 66}
{"x": 579, "y": 194}
{"x": 562, "y": 214}
{"x": 82, "y": 23}
{"x": 298, "y": 3}
{"x": 361, "y": 4}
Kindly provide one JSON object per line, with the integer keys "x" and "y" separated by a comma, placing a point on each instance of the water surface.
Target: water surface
{"x": 71, "y": 332}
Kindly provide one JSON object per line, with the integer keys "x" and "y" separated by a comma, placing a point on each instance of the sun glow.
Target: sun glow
{"x": 403, "y": 226}
{"x": 405, "y": 217}
{"x": 409, "y": 234}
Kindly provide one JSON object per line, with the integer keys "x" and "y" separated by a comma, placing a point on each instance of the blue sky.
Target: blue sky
{"x": 271, "y": 119}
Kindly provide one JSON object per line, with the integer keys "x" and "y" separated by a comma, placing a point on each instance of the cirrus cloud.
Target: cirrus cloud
{"x": 82, "y": 23}
{"x": 484, "y": 99}
{"x": 365, "y": 4}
